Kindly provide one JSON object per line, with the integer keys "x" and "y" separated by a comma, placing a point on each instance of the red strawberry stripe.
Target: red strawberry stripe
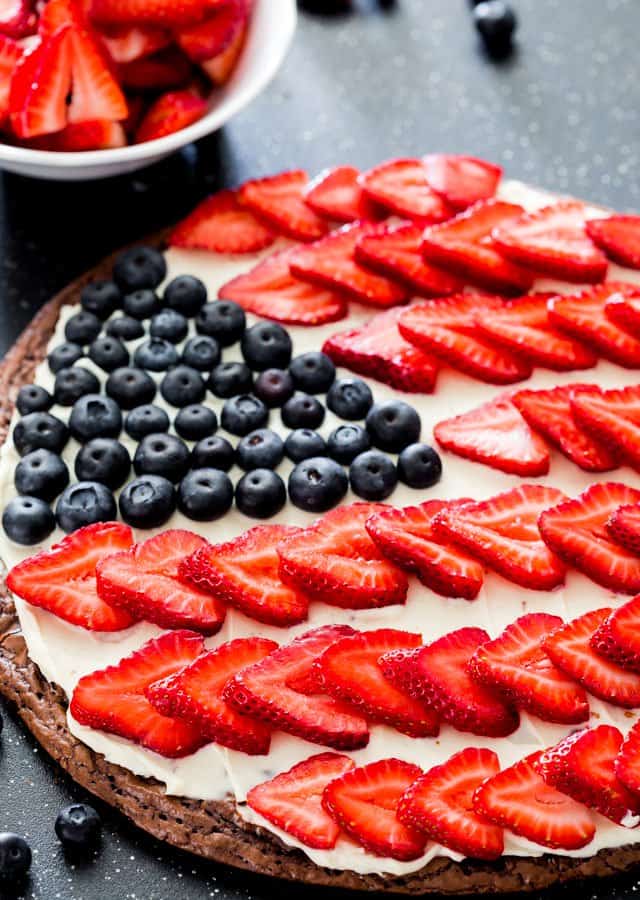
{"x": 623, "y": 310}
{"x": 461, "y": 180}
{"x": 279, "y": 199}
{"x": 335, "y": 194}
{"x": 613, "y": 418}
{"x": 221, "y": 224}
{"x": 618, "y": 637}
{"x": 618, "y": 237}
{"x": 623, "y": 526}
{"x": 401, "y": 186}
{"x": 627, "y": 764}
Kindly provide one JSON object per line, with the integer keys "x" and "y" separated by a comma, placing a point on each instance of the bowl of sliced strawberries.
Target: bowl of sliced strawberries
{"x": 92, "y": 88}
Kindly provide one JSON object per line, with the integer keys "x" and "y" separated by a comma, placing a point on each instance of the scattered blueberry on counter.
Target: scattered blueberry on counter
{"x": 78, "y": 827}
{"x": 496, "y": 24}
{"x": 15, "y": 857}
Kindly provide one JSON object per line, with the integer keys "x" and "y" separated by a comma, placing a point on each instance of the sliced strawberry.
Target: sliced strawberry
{"x": 446, "y": 327}
{"x": 519, "y": 799}
{"x": 264, "y": 691}
{"x": 582, "y": 766}
{"x": 364, "y": 801}
{"x": 407, "y": 538}
{"x": 56, "y": 14}
{"x": 401, "y": 186}
{"x": 575, "y": 531}
{"x": 40, "y": 86}
{"x": 378, "y": 350}
{"x": 171, "y": 112}
{"x": 331, "y": 262}
{"x": 163, "y": 71}
{"x": 464, "y": 246}
{"x": 627, "y": 764}
{"x": 618, "y": 638}
{"x": 10, "y": 54}
{"x": 222, "y": 225}
{"x": 335, "y": 194}
{"x": 495, "y": 434}
{"x": 461, "y": 180}
{"x": 618, "y": 237}
{"x": 335, "y": 560}
{"x": 570, "y": 649}
{"x": 243, "y": 572}
{"x": 396, "y": 251}
{"x": 220, "y": 67}
{"x": 279, "y": 199}
{"x": 95, "y": 92}
{"x": 503, "y": 533}
{"x": 292, "y": 800}
{"x": 194, "y": 695}
{"x": 549, "y": 413}
{"x": 113, "y": 699}
{"x": 270, "y": 290}
{"x": 438, "y": 676}
{"x": 623, "y": 526}
{"x": 623, "y": 310}
{"x": 212, "y": 37}
{"x": 62, "y": 579}
{"x": 440, "y": 803}
{"x": 516, "y": 665}
{"x": 128, "y": 43}
{"x": 17, "y": 18}
{"x": 164, "y": 13}
{"x": 349, "y": 671}
{"x": 97, "y": 135}
{"x": 613, "y": 418}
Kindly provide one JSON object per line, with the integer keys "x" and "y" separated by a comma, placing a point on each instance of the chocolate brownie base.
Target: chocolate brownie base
{"x": 214, "y": 830}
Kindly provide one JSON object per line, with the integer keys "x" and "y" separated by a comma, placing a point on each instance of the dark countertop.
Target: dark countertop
{"x": 390, "y": 79}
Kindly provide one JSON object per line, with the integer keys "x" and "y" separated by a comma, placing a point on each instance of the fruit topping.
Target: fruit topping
{"x": 618, "y": 237}
{"x": 84, "y": 503}
{"x": 317, "y": 484}
{"x": 618, "y": 637}
{"x": 260, "y": 494}
{"x": 461, "y": 180}
{"x": 401, "y": 186}
{"x": 279, "y": 199}
{"x": 171, "y": 112}
{"x": 393, "y": 425}
{"x": 373, "y": 475}
{"x": 148, "y": 501}
{"x": 222, "y": 224}
{"x": 336, "y": 194}
{"x": 613, "y": 419}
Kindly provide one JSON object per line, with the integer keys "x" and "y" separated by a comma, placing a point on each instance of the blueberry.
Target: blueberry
{"x": 95, "y": 415}
{"x": 393, "y": 425}
{"x": 260, "y": 494}
{"x": 313, "y": 372}
{"x": 126, "y": 328}
{"x": 349, "y": 398}
{"x": 139, "y": 267}
{"x": 373, "y": 475}
{"x": 147, "y": 502}
{"x": 243, "y": 414}
{"x": 144, "y": 420}
{"x": 195, "y": 422}
{"x": 41, "y": 474}
{"x": 73, "y": 383}
{"x": 303, "y": 443}
{"x": 201, "y": 353}
{"x": 78, "y": 826}
{"x": 223, "y": 320}
{"x": 141, "y": 304}
{"x": 105, "y": 460}
{"x": 162, "y": 454}
{"x": 33, "y": 398}
{"x": 213, "y": 452}
{"x": 64, "y": 355}
{"x": 15, "y": 856}
{"x": 346, "y": 442}
{"x": 496, "y": 23}
{"x": 274, "y": 386}
{"x": 186, "y": 294}
{"x": 260, "y": 449}
{"x": 109, "y": 353}
{"x": 156, "y": 355}
{"x": 266, "y": 345}
{"x": 85, "y": 503}
{"x": 40, "y": 429}
{"x": 28, "y": 520}
{"x": 183, "y": 386}
{"x": 82, "y": 328}
{"x": 100, "y": 298}
{"x": 317, "y": 484}
{"x": 419, "y": 466}
{"x": 130, "y": 387}
{"x": 303, "y": 411}
{"x": 205, "y": 495}
{"x": 230, "y": 379}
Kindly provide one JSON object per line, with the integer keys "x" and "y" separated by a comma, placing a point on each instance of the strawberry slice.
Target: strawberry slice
{"x": 243, "y": 572}
{"x": 570, "y": 649}
{"x": 407, "y": 538}
{"x": 10, "y": 54}
{"x": 220, "y": 68}
{"x": 440, "y": 803}
{"x": 516, "y": 665}
{"x": 503, "y": 533}
{"x": 164, "y": 13}
{"x": 270, "y": 290}
{"x": 95, "y": 92}
{"x": 97, "y": 135}
{"x": 194, "y": 695}
{"x": 62, "y": 580}
{"x": 613, "y": 418}
{"x": 222, "y": 225}
{"x": 575, "y": 531}
{"x": 163, "y": 71}
{"x": 464, "y": 246}
{"x": 265, "y": 691}
{"x": 17, "y": 19}
{"x": 279, "y": 199}
{"x": 40, "y": 86}
{"x": 582, "y": 766}
{"x": 549, "y": 413}
{"x": 401, "y": 187}
{"x": 349, "y": 671}
{"x": 618, "y": 638}
{"x": 144, "y": 582}
{"x": 618, "y": 237}
{"x": 335, "y": 194}
{"x": 292, "y": 800}
{"x": 171, "y": 112}
{"x": 335, "y": 560}
{"x": 378, "y": 350}
{"x": 495, "y": 434}
{"x": 396, "y": 251}
{"x": 212, "y": 37}
{"x": 128, "y": 43}
{"x": 331, "y": 262}
{"x": 446, "y": 327}
{"x": 519, "y": 799}
{"x": 438, "y": 676}
{"x": 461, "y": 180}
{"x": 364, "y": 801}
{"x": 623, "y": 526}
{"x": 113, "y": 699}
{"x": 624, "y": 311}
{"x": 627, "y": 764}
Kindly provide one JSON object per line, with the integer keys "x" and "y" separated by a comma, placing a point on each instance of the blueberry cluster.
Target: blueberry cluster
{"x": 180, "y": 461}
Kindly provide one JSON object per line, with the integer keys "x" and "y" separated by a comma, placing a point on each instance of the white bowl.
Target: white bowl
{"x": 270, "y": 33}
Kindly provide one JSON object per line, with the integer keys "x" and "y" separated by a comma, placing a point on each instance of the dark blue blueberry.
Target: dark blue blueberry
{"x": 183, "y": 386}
{"x": 162, "y": 454}
{"x": 350, "y": 398}
{"x": 28, "y": 520}
{"x": 223, "y": 320}
{"x": 147, "y": 502}
{"x": 317, "y": 484}
{"x": 303, "y": 443}
{"x": 419, "y": 466}
{"x": 346, "y": 442}
{"x": 95, "y": 415}
{"x": 373, "y": 475}
{"x": 100, "y": 298}
{"x": 303, "y": 411}
{"x": 156, "y": 355}
{"x": 130, "y": 387}
{"x": 313, "y": 372}
{"x": 73, "y": 383}
{"x": 186, "y": 294}
{"x": 41, "y": 474}
{"x": 15, "y": 857}
{"x": 105, "y": 460}
{"x": 243, "y": 414}
{"x": 260, "y": 494}
{"x": 33, "y": 398}
{"x": 82, "y": 328}
{"x": 85, "y": 503}
{"x": 139, "y": 267}
{"x": 266, "y": 345}
{"x": 274, "y": 387}
{"x": 201, "y": 352}
{"x": 141, "y": 304}
{"x": 78, "y": 826}
{"x": 393, "y": 425}
{"x": 496, "y": 23}
{"x": 170, "y": 325}
{"x": 230, "y": 379}
{"x": 109, "y": 353}
{"x": 64, "y": 355}
{"x": 195, "y": 422}
{"x": 144, "y": 420}
{"x": 40, "y": 429}
{"x": 205, "y": 495}
{"x": 213, "y": 452}
{"x": 126, "y": 328}
{"x": 260, "y": 449}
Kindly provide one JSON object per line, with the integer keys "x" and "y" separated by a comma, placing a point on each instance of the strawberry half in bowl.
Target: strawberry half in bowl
{"x": 269, "y": 32}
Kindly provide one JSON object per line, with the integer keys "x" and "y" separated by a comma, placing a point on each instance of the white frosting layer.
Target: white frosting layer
{"x": 65, "y": 652}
